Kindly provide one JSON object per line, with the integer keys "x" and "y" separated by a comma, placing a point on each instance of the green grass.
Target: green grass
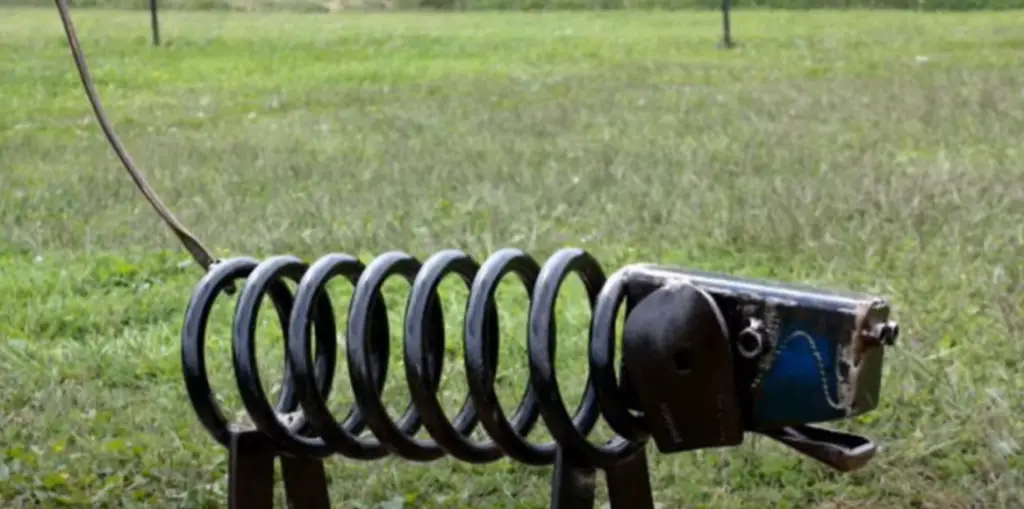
{"x": 873, "y": 151}
{"x": 528, "y": 5}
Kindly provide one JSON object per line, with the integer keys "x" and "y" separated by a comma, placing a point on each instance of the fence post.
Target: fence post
{"x": 154, "y": 22}
{"x": 726, "y": 42}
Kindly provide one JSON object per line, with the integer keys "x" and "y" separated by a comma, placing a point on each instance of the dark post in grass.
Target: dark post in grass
{"x": 726, "y": 42}
{"x": 154, "y": 22}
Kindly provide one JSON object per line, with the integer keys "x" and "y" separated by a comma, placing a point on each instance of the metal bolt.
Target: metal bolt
{"x": 751, "y": 341}
{"x": 886, "y": 332}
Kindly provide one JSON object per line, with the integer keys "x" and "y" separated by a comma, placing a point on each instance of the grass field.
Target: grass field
{"x": 874, "y": 151}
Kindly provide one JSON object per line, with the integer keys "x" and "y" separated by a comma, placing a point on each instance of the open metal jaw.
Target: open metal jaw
{"x": 708, "y": 357}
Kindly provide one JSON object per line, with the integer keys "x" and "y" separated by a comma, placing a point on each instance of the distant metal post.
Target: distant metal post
{"x": 726, "y": 42}
{"x": 155, "y": 22}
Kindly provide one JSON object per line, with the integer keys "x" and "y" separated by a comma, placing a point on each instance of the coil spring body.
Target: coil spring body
{"x": 307, "y": 316}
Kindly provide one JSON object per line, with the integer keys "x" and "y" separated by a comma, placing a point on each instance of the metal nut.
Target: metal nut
{"x": 750, "y": 342}
{"x": 886, "y": 333}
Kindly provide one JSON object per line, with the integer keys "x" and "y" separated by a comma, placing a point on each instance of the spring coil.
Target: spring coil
{"x": 307, "y": 316}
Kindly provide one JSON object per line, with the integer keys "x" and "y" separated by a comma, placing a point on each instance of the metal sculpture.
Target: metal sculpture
{"x": 707, "y": 358}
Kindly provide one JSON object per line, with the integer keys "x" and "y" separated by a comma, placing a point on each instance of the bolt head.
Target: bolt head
{"x": 886, "y": 333}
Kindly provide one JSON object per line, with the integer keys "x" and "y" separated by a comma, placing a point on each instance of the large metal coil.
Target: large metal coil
{"x": 306, "y": 315}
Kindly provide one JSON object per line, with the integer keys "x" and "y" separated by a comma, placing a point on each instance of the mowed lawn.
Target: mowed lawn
{"x": 876, "y": 151}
